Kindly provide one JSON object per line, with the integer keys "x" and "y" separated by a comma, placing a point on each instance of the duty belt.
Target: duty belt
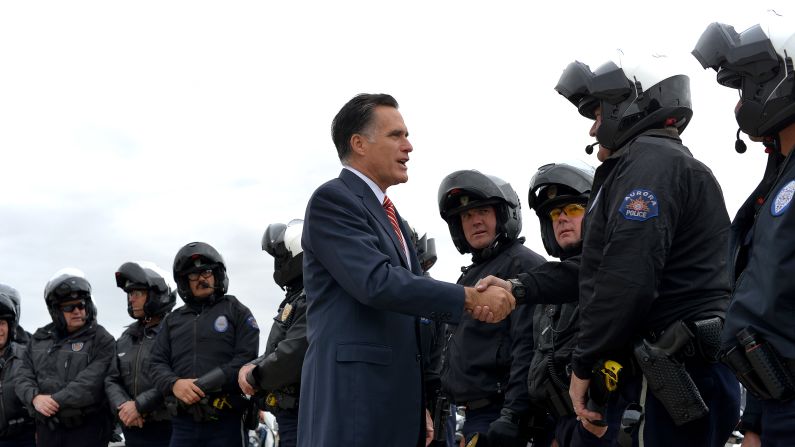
{"x": 477, "y": 404}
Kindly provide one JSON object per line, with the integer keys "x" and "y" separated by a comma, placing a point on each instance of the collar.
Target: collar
{"x": 376, "y": 190}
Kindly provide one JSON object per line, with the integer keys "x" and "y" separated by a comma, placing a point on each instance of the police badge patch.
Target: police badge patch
{"x": 251, "y": 321}
{"x": 77, "y": 346}
{"x": 640, "y": 205}
{"x": 221, "y": 324}
{"x": 783, "y": 199}
{"x": 288, "y": 308}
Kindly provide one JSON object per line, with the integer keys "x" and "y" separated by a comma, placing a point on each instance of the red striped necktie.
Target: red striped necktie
{"x": 389, "y": 207}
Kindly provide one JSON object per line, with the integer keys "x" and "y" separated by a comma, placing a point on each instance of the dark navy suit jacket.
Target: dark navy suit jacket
{"x": 361, "y": 383}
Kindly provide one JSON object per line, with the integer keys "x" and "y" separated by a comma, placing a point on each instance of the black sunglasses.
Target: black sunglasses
{"x": 71, "y": 307}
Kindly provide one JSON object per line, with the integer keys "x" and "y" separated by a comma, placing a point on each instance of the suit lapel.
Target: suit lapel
{"x": 360, "y": 188}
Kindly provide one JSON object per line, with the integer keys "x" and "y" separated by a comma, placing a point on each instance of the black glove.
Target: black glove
{"x": 504, "y": 432}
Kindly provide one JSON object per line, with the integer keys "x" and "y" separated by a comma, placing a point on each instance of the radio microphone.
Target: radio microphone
{"x": 739, "y": 145}
{"x": 589, "y": 148}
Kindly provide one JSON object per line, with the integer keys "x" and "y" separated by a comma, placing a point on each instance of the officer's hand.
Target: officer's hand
{"x": 491, "y": 305}
{"x": 505, "y": 430}
{"x": 578, "y": 391}
{"x": 45, "y": 404}
{"x": 428, "y": 428}
{"x": 751, "y": 439}
{"x": 242, "y": 380}
{"x": 187, "y": 391}
{"x": 129, "y": 416}
{"x": 488, "y": 281}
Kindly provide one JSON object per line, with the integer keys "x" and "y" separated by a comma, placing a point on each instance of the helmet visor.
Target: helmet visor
{"x": 736, "y": 55}
{"x": 585, "y": 88}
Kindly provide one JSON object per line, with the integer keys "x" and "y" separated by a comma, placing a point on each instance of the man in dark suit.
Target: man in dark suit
{"x": 362, "y": 383}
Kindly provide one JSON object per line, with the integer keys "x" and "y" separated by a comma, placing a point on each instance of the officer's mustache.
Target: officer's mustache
{"x": 204, "y": 285}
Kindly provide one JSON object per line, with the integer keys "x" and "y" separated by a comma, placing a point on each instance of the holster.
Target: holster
{"x": 251, "y": 415}
{"x": 666, "y": 375}
{"x": 558, "y": 401}
{"x": 441, "y": 412}
{"x": 760, "y": 368}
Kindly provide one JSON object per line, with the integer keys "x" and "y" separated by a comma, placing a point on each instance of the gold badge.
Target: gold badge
{"x": 552, "y": 191}
{"x": 464, "y": 200}
{"x": 288, "y": 308}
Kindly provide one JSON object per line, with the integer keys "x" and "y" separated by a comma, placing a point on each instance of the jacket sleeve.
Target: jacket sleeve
{"x": 114, "y": 386}
{"x": 148, "y": 400}
{"x": 282, "y": 367}
{"x": 627, "y": 278}
{"x": 27, "y": 387}
{"x": 553, "y": 282}
{"x": 87, "y": 388}
{"x": 246, "y": 346}
{"x": 161, "y": 372}
{"x": 358, "y": 264}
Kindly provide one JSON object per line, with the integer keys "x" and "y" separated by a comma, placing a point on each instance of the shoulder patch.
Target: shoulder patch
{"x": 288, "y": 309}
{"x": 251, "y": 321}
{"x": 221, "y": 324}
{"x": 783, "y": 199}
{"x": 77, "y": 346}
{"x": 640, "y": 205}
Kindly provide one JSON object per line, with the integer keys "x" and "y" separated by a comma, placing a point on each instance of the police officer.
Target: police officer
{"x": 63, "y": 372}
{"x": 16, "y": 425}
{"x": 653, "y": 279}
{"x": 199, "y": 350}
{"x": 276, "y": 375}
{"x": 759, "y": 337}
{"x": 486, "y": 364}
{"x": 21, "y": 336}
{"x": 133, "y": 397}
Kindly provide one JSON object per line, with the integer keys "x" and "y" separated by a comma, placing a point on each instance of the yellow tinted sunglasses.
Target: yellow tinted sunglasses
{"x": 571, "y": 210}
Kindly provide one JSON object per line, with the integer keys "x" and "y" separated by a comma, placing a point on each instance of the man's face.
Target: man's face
{"x": 603, "y": 152}
{"x": 3, "y": 333}
{"x": 480, "y": 226}
{"x": 385, "y": 148}
{"x": 567, "y": 224}
{"x": 137, "y": 299}
{"x": 202, "y": 284}
{"x": 74, "y": 312}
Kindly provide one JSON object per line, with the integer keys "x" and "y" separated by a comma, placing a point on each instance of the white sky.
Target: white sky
{"x": 128, "y": 129}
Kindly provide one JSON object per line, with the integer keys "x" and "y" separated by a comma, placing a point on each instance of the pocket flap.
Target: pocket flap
{"x": 379, "y": 355}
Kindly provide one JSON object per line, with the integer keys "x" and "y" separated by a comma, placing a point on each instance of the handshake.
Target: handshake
{"x": 490, "y": 300}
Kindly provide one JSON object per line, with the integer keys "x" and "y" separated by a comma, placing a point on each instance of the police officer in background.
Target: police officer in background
{"x": 62, "y": 376}
{"x": 486, "y": 364}
{"x": 653, "y": 279}
{"x": 199, "y": 350}
{"x": 276, "y": 375}
{"x": 133, "y": 397}
{"x": 16, "y": 425}
{"x": 759, "y": 337}
{"x": 21, "y": 336}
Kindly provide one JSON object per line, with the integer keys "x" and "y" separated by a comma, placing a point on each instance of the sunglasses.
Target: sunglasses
{"x": 71, "y": 307}
{"x": 204, "y": 274}
{"x": 571, "y": 210}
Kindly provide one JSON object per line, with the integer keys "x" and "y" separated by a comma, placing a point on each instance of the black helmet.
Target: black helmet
{"x": 554, "y": 185}
{"x": 197, "y": 257}
{"x": 758, "y": 62}
{"x": 424, "y": 246}
{"x": 632, "y": 100}
{"x": 66, "y": 285}
{"x": 147, "y": 276}
{"x": 8, "y": 311}
{"x": 283, "y": 242}
{"x": 13, "y": 295}
{"x": 463, "y": 190}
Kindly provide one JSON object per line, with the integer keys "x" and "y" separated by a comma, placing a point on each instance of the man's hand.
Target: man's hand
{"x": 578, "y": 391}
{"x": 751, "y": 439}
{"x": 187, "y": 391}
{"x": 129, "y": 416}
{"x": 242, "y": 379}
{"x": 490, "y": 306}
{"x": 490, "y": 280}
{"x": 428, "y": 428}
{"x": 45, "y": 404}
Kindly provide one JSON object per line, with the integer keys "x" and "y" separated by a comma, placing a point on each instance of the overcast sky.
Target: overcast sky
{"x": 128, "y": 129}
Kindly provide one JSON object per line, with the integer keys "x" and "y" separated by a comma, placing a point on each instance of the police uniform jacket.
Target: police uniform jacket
{"x": 654, "y": 247}
{"x": 280, "y": 366}
{"x": 195, "y": 339}
{"x": 14, "y": 417}
{"x": 489, "y": 361}
{"x": 129, "y": 375}
{"x": 71, "y": 368}
{"x": 763, "y": 254}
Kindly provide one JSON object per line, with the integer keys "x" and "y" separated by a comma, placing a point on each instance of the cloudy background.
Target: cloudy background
{"x": 128, "y": 129}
